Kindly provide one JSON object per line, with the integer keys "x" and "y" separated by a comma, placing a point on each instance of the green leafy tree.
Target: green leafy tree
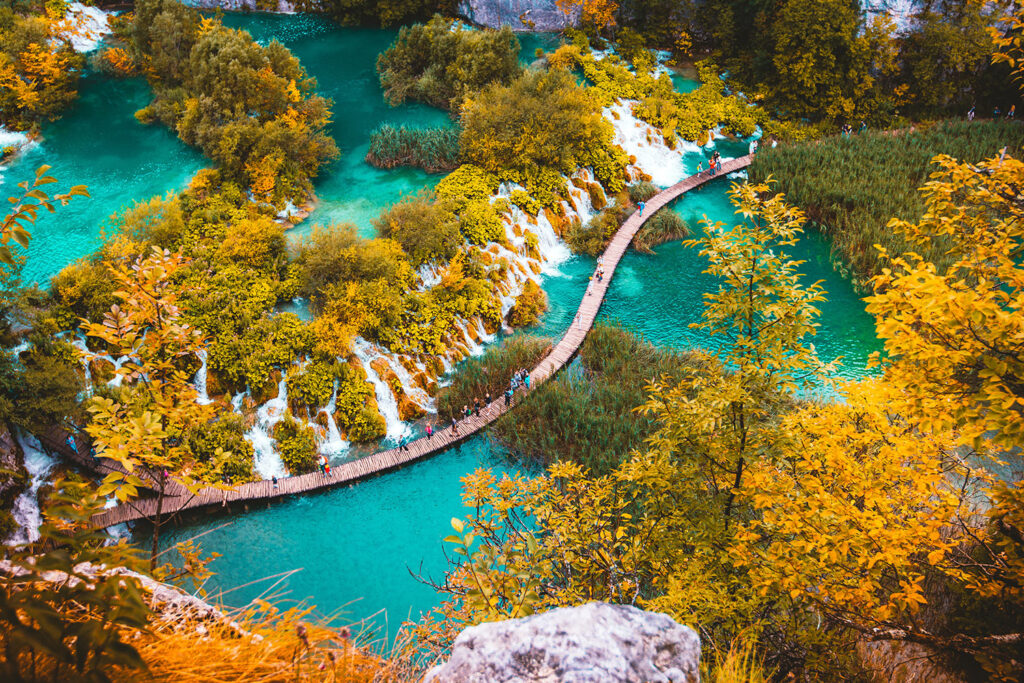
{"x": 146, "y": 425}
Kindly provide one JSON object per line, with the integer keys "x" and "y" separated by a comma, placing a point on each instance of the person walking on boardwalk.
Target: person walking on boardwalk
{"x": 642, "y": 206}
{"x": 487, "y": 399}
{"x": 327, "y": 468}
{"x": 526, "y": 381}
{"x": 403, "y": 445}
{"x": 508, "y": 398}
{"x": 970, "y": 114}
{"x": 323, "y": 465}
{"x": 430, "y": 431}
{"x": 273, "y": 478}
{"x": 476, "y": 407}
{"x": 455, "y": 427}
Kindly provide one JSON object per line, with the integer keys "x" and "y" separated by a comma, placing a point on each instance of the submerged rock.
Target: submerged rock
{"x": 596, "y": 642}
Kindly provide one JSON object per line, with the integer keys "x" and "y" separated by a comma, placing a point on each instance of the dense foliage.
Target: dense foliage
{"x": 432, "y": 149}
{"x": 541, "y": 126}
{"x": 251, "y": 108}
{"x": 39, "y": 70}
{"x": 441, "y": 62}
{"x": 375, "y": 12}
{"x": 852, "y": 186}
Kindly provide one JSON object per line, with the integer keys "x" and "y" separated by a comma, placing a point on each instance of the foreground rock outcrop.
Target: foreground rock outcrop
{"x": 592, "y": 643}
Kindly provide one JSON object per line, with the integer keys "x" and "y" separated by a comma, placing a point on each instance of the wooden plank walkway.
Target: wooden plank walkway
{"x": 383, "y": 461}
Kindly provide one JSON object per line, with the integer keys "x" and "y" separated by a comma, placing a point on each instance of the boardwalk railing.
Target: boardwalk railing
{"x": 383, "y": 461}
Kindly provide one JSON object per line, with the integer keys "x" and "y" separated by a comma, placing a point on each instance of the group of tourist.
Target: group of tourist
{"x": 714, "y": 165}
{"x": 996, "y": 112}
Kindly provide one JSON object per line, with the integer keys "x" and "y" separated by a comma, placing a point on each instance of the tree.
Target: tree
{"x": 146, "y": 425}
{"x": 1009, "y": 44}
{"x": 599, "y": 13}
{"x": 718, "y": 422}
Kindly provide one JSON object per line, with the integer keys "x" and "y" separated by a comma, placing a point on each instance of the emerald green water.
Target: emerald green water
{"x": 354, "y": 546}
{"x": 98, "y": 143}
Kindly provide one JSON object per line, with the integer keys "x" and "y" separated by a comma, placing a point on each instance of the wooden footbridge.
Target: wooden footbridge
{"x": 383, "y": 461}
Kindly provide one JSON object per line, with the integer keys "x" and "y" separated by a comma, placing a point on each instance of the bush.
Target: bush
{"x": 227, "y": 432}
{"x": 529, "y": 305}
{"x": 426, "y": 227}
{"x": 592, "y": 238}
{"x": 296, "y": 443}
{"x": 440, "y": 64}
{"x": 337, "y": 255}
{"x": 313, "y": 385}
{"x": 541, "y": 125}
{"x": 85, "y": 289}
{"x": 433, "y": 149}
{"x": 356, "y": 408}
{"x": 490, "y": 373}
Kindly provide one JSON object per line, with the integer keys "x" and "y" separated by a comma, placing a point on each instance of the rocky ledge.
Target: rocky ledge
{"x": 592, "y": 643}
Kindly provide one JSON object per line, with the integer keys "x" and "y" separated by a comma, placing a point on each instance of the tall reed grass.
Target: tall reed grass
{"x": 586, "y": 413}
{"x": 435, "y": 150}
{"x": 490, "y": 373}
{"x": 852, "y": 186}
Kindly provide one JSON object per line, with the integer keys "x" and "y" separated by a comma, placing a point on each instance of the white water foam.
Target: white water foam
{"x": 333, "y": 445}
{"x": 646, "y": 143}
{"x": 386, "y": 403}
{"x": 202, "y": 397}
{"x": 26, "y": 510}
{"x": 84, "y": 27}
{"x": 268, "y": 461}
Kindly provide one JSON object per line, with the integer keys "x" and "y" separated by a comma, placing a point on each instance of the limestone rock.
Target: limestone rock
{"x": 592, "y": 643}
{"x": 519, "y": 15}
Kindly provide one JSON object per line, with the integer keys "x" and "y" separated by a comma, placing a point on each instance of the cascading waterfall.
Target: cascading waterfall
{"x": 386, "y": 403}
{"x": 268, "y": 460}
{"x": 334, "y": 445}
{"x": 26, "y": 508}
{"x": 203, "y": 398}
{"x": 646, "y": 143}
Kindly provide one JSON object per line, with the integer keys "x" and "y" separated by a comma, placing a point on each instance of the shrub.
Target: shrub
{"x": 337, "y": 255}
{"x": 642, "y": 191}
{"x": 296, "y": 443}
{"x": 227, "y": 432}
{"x": 586, "y": 415}
{"x": 592, "y": 238}
{"x": 432, "y": 149}
{"x": 529, "y": 305}
{"x": 542, "y": 121}
{"x": 84, "y": 289}
{"x": 313, "y": 385}
{"x": 439, "y": 63}
{"x": 425, "y": 226}
{"x": 355, "y": 410}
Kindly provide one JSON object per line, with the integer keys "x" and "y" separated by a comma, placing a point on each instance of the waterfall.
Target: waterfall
{"x": 203, "y": 398}
{"x": 646, "y": 143}
{"x": 334, "y": 445}
{"x": 268, "y": 461}
{"x": 386, "y": 403}
{"x": 236, "y": 401}
{"x": 26, "y": 508}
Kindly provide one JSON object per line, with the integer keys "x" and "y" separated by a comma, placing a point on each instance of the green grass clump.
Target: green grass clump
{"x": 436, "y": 150}
{"x": 664, "y": 226}
{"x": 490, "y": 373}
{"x": 586, "y": 413}
{"x": 852, "y": 186}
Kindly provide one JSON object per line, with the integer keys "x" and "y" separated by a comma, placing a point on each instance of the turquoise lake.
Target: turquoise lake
{"x": 354, "y": 547}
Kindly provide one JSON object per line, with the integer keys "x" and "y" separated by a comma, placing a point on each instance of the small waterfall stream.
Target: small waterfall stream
{"x": 26, "y": 508}
{"x": 268, "y": 461}
{"x": 367, "y": 353}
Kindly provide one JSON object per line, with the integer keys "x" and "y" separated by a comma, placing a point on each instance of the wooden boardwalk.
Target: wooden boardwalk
{"x": 383, "y": 461}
